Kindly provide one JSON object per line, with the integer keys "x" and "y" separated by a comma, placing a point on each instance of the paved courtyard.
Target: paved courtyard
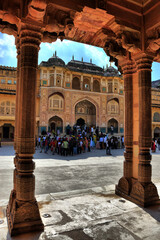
{"x": 55, "y": 173}
{"x": 77, "y": 193}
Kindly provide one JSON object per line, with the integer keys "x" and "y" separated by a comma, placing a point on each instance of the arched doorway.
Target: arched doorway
{"x": 7, "y": 132}
{"x": 56, "y": 124}
{"x": 157, "y": 132}
{"x": 112, "y": 126}
{"x": 80, "y": 122}
{"x": 86, "y": 111}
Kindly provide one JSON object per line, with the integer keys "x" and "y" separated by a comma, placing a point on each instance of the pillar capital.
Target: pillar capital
{"x": 30, "y": 36}
{"x": 128, "y": 67}
{"x": 143, "y": 61}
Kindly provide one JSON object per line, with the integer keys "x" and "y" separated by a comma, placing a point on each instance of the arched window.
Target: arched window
{"x": 113, "y": 107}
{"x": 76, "y": 83}
{"x": 7, "y": 108}
{"x": 96, "y": 86}
{"x": 86, "y": 84}
{"x": 156, "y": 117}
{"x": 56, "y": 102}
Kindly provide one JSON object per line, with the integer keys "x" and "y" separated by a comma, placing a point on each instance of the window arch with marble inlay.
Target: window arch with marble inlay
{"x": 56, "y": 102}
{"x": 113, "y": 107}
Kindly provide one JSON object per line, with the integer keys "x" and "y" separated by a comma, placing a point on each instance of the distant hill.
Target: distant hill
{"x": 156, "y": 84}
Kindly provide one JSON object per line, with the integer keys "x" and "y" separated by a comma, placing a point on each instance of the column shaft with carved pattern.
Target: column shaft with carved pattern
{"x": 23, "y": 215}
{"x": 143, "y": 190}
{"x": 124, "y": 185}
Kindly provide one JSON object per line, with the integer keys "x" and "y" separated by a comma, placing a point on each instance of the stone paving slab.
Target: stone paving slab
{"x": 90, "y": 215}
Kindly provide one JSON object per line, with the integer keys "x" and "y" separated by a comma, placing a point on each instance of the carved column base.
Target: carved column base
{"x": 144, "y": 195}
{"x": 123, "y": 187}
{"x": 23, "y": 217}
{"x": 134, "y": 191}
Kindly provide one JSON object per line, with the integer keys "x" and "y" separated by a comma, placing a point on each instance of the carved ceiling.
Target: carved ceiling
{"x": 117, "y": 26}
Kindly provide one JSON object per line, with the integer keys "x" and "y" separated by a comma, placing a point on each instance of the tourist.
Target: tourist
{"x": 101, "y": 141}
{"x": 41, "y": 144}
{"x": 97, "y": 144}
{"x": 153, "y": 147}
{"x": 46, "y": 145}
{"x": 65, "y": 147}
{"x": 156, "y": 145}
{"x": 89, "y": 145}
{"x": 53, "y": 145}
{"x": 158, "y": 141}
{"x": 122, "y": 140}
{"x": 108, "y": 147}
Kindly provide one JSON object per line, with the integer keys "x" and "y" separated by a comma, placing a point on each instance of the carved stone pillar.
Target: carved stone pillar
{"x": 124, "y": 185}
{"x": 91, "y": 84}
{"x": 143, "y": 190}
{"x": 22, "y": 210}
{"x": 81, "y": 83}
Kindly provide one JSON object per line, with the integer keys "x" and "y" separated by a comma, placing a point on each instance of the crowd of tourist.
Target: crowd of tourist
{"x": 155, "y": 145}
{"x": 83, "y": 142}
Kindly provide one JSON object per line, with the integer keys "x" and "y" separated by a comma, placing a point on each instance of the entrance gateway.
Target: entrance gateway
{"x": 128, "y": 31}
{"x": 85, "y": 113}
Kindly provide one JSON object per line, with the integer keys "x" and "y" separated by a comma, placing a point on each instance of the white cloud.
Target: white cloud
{"x": 65, "y": 50}
{"x": 7, "y": 46}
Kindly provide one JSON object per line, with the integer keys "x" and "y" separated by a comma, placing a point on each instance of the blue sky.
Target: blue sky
{"x": 65, "y": 50}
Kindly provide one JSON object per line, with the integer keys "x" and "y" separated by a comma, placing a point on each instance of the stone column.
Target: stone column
{"x": 91, "y": 84}
{"x": 13, "y": 192}
{"x": 124, "y": 185}
{"x": 81, "y": 82}
{"x": 55, "y": 77}
{"x": 22, "y": 211}
{"x": 144, "y": 191}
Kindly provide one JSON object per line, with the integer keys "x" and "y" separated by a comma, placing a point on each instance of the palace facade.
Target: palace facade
{"x": 74, "y": 93}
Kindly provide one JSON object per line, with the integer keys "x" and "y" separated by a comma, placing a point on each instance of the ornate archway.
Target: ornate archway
{"x": 157, "y": 132}
{"x": 112, "y": 126}
{"x": 80, "y": 122}
{"x": 86, "y": 111}
{"x": 56, "y": 124}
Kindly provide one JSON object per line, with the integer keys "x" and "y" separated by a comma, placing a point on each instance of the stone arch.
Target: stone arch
{"x": 57, "y": 93}
{"x": 86, "y": 110}
{"x": 76, "y": 83}
{"x": 80, "y": 121}
{"x": 156, "y": 117}
{"x": 112, "y": 125}
{"x": 93, "y": 102}
{"x": 56, "y": 124}
{"x": 157, "y": 132}
{"x": 96, "y": 86}
{"x": 56, "y": 101}
{"x": 113, "y": 106}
